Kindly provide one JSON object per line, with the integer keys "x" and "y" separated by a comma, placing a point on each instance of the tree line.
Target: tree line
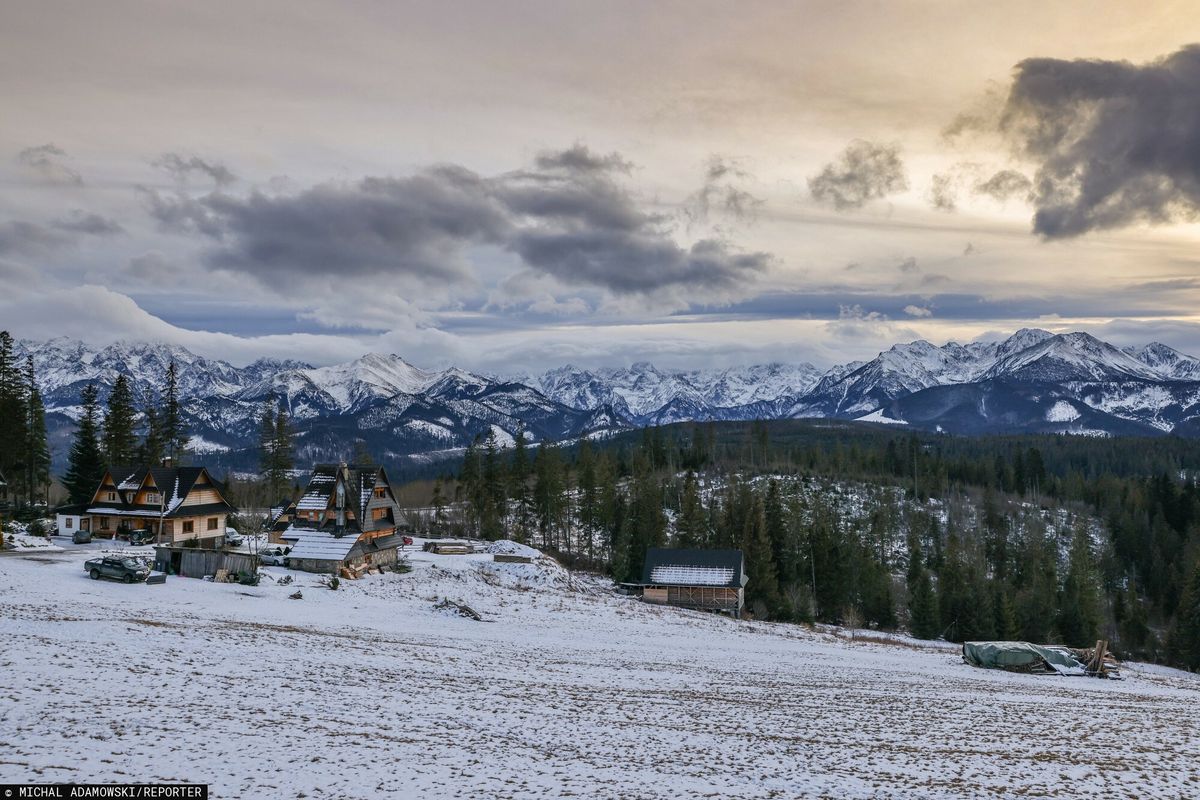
{"x": 1123, "y": 565}
{"x": 145, "y": 430}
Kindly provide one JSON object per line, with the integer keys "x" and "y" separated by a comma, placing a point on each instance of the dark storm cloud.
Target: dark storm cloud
{"x": 47, "y": 160}
{"x": 865, "y": 171}
{"x": 181, "y": 168}
{"x": 1005, "y": 185}
{"x": 568, "y": 217}
{"x": 88, "y": 223}
{"x": 413, "y": 226}
{"x": 1115, "y": 143}
{"x": 722, "y": 194}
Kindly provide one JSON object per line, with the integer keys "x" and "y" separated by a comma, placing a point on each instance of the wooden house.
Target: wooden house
{"x": 178, "y": 504}
{"x": 709, "y": 580}
{"x": 346, "y": 517}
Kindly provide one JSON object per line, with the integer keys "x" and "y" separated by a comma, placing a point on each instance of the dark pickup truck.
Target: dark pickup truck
{"x": 121, "y": 569}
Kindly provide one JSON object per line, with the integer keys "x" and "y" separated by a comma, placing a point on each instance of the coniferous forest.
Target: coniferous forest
{"x": 1041, "y": 538}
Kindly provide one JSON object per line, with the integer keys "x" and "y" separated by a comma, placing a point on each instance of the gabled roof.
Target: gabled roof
{"x": 174, "y": 483}
{"x": 358, "y": 482}
{"x": 685, "y": 567}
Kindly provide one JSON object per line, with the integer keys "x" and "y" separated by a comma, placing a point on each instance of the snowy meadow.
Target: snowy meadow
{"x": 564, "y": 689}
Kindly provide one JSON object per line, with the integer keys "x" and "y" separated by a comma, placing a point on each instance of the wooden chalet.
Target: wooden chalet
{"x": 346, "y": 518}
{"x": 177, "y": 503}
{"x": 709, "y": 580}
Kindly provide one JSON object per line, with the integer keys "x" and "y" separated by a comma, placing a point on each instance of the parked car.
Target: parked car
{"x": 81, "y": 536}
{"x": 233, "y": 538}
{"x": 121, "y": 569}
{"x": 141, "y": 536}
{"x": 271, "y": 559}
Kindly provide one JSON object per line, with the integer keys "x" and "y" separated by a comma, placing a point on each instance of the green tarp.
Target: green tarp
{"x": 1021, "y": 657}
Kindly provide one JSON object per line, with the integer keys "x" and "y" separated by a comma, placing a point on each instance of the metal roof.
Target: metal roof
{"x": 682, "y": 567}
{"x": 320, "y": 545}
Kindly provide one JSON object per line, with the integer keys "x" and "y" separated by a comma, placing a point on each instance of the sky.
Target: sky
{"x": 515, "y": 186}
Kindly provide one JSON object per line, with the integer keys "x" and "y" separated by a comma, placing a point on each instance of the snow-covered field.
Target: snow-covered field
{"x": 563, "y": 690}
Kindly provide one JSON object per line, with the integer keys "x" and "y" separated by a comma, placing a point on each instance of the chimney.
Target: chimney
{"x": 166, "y": 462}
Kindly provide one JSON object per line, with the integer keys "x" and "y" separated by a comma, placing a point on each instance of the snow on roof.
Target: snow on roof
{"x": 691, "y": 576}
{"x": 320, "y": 545}
{"x": 313, "y": 501}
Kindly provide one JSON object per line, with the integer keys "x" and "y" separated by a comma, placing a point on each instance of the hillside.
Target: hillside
{"x": 563, "y": 688}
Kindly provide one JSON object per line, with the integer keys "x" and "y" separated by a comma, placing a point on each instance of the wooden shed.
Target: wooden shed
{"x": 193, "y": 562}
{"x": 709, "y": 580}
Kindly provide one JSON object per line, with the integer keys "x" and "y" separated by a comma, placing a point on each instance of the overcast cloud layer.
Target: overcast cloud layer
{"x": 508, "y": 187}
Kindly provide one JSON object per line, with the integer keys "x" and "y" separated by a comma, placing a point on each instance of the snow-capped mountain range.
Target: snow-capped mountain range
{"x": 1032, "y": 381}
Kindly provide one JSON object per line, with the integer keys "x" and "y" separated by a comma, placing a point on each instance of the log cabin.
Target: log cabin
{"x": 708, "y": 580}
{"x": 177, "y": 504}
{"x": 346, "y": 518}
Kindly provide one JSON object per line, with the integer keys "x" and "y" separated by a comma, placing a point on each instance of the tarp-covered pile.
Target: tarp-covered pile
{"x": 1022, "y": 657}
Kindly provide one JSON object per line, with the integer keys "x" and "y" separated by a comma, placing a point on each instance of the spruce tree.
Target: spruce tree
{"x": 922, "y": 602}
{"x": 120, "y": 444}
{"x": 1079, "y": 615}
{"x": 1185, "y": 637}
{"x": 37, "y": 451}
{"x": 174, "y": 434}
{"x": 86, "y": 465}
{"x": 275, "y": 448}
{"x": 12, "y": 410}
{"x": 151, "y": 450}
{"x": 691, "y": 526}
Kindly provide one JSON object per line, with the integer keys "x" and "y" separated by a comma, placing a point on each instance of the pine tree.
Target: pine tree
{"x": 763, "y": 585}
{"x": 1079, "y": 607}
{"x": 174, "y": 434}
{"x": 547, "y": 490}
{"x": 37, "y": 451}
{"x": 151, "y": 450}
{"x": 86, "y": 466}
{"x": 120, "y": 444}
{"x": 1185, "y": 637}
{"x": 492, "y": 522}
{"x": 275, "y": 447}
{"x": 589, "y": 497}
{"x": 691, "y": 526}
{"x": 922, "y": 602}
{"x": 13, "y": 414}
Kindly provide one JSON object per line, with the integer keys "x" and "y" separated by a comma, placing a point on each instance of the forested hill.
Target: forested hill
{"x": 1045, "y": 538}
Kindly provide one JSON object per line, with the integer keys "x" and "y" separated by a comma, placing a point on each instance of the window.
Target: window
{"x": 380, "y": 491}
{"x": 112, "y": 497}
{"x": 189, "y": 526}
{"x": 153, "y": 498}
{"x": 70, "y": 523}
{"x": 379, "y": 513}
{"x": 212, "y": 523}
{"x": 104, "y": 523}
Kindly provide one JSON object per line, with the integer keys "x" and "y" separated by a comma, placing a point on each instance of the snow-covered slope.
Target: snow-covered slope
{"x": 566, "y": 689}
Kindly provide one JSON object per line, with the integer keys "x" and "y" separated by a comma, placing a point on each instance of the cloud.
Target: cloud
{"x": 578, "y": 158}
{"x": 87, "y": 223}
{"x": 180, "y": 168}
{"x": 1115, "y": 143}
{"x": 1006, "y": 184}
{"x": 29, "y": 238}
{"x": 942, "y": 192}
{"x": 917, "y": 311}
{"x": 865, "y": 171}
{"x": 721, "y": 194}
{"x": 569, "y": 217}
{"x": 47, "y": 161}
{"x": 908, "y": 265}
